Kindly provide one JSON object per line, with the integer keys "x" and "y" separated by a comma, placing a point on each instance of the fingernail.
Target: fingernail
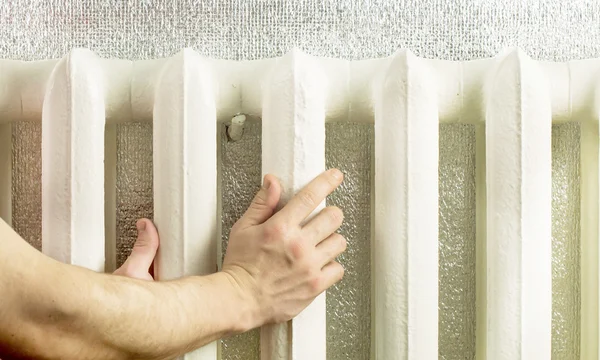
{"x": 141, "y": 225}
{"x": 267, "y": 184}
{"x": 336, "y": 174}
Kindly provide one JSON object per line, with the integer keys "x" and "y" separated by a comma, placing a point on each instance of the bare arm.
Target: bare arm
{"x": 274, "y": 268}
{"x": 58, "y": 311}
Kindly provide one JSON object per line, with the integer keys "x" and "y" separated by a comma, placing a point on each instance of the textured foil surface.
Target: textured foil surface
{"x": 241, "y": 177}
{"x": 566, "y": 236}
{"x": 238, "y": 29}
{"x": 134, "y": 183}
{"x": 27, "y": 181}
{"x": 457, "y": 242}
{"x": 235, "y": 29}
{"x": 349, "y": 147}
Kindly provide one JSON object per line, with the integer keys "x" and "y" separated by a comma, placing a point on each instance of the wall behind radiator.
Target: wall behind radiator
{"x": 458, "y": 30}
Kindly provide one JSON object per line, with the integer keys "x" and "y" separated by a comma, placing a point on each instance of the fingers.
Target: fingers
{"x": 143, "y": 252}
{"x": 324, "y": 224}
{"x": 330, "y": 248}
{"x": 264, "y": 203}
{"x": 307, "y": 200}
{"x": 331, "y": 274}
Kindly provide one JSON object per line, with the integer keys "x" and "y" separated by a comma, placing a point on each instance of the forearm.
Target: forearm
{"x": 145, "y": 320}
{"x": 52, "y": 310}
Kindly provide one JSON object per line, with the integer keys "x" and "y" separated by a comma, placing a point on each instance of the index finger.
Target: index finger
{"x": 307, "y": 199}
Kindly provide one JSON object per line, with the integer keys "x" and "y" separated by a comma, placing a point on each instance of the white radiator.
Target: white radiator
{"x": 406, "y": 97}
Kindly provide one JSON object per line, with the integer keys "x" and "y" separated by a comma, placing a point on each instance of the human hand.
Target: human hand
{"x": 139, "y": 263}
{"x": 279, "y": 262}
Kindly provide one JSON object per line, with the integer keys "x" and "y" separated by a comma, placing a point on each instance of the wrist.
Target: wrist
{"x": 253, "y": 314}
{"x": 242, "y": 307}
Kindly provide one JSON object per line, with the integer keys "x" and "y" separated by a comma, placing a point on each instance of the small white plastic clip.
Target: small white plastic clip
{"x": 236, "y": 129}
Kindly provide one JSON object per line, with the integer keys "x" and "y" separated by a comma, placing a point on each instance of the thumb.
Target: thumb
{"x": 264, "y": 203}
{"x": 143, "y": 252}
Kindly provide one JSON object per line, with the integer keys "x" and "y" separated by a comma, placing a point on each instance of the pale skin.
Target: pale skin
{"x": 276, "y": 263}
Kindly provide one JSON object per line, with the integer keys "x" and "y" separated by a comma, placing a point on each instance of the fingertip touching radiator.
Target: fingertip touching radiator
{"x": 407, "y": 97}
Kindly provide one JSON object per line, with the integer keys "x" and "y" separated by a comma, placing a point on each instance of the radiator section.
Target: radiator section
{"x": 293, "y": 149}
{"x": 73, "y": 162}
{"x": 131, "y": 85}
{"x": 509, "y": 102}
{"x": 406, "y": 211}
{"x": 518, "y": 185}
{"x": 185, "y": 173}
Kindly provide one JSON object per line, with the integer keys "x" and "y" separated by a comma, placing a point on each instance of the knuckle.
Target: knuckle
{"x": 308, "y": 198}
{"x": 257, "y": 205}
{"x": 315, "y": 284}
{"x": 310, "y": 272}
{"x": 340, "y": 271}
{"x": 331, "y": 180}
{"x": 297, "y": 249}
{"x": 260, "y": 199}
{"x": 144, "y": 246}
{"x": 343, "y": 243}
{"x": 336, "y": 214}
{"x": 336, "y": 244}
{"x": 277, "y": 230}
